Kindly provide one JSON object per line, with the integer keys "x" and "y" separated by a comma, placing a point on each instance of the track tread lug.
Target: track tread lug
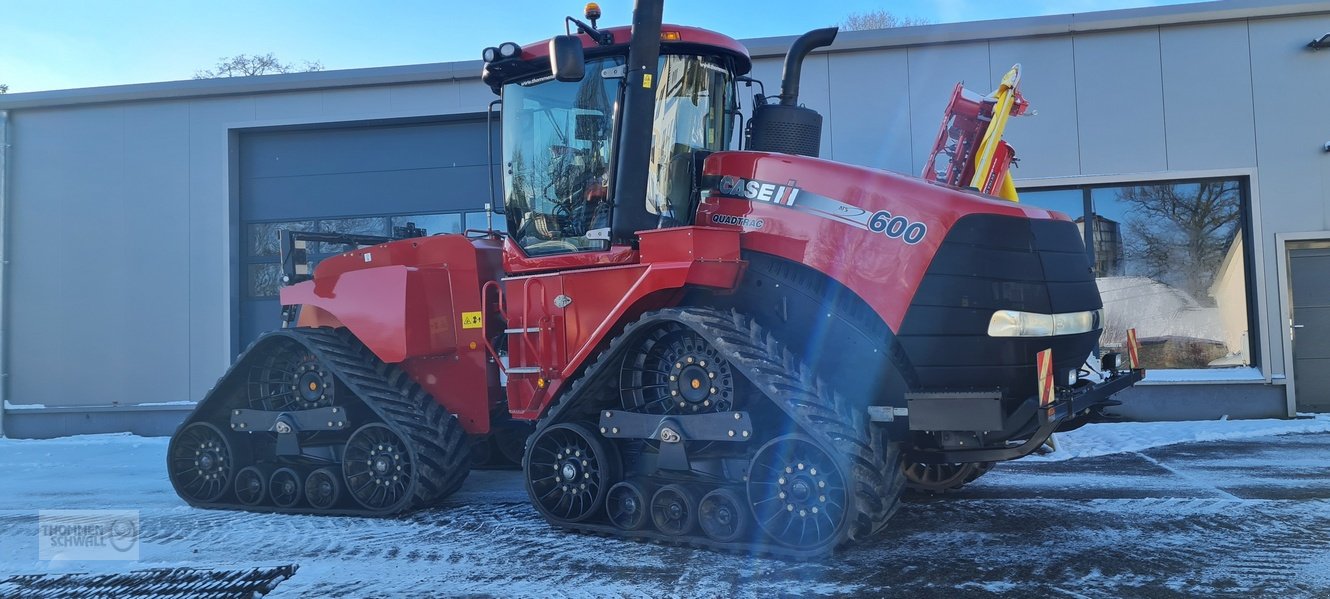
{"x": 878, "y": 479}
{"x": 441, "y": 448}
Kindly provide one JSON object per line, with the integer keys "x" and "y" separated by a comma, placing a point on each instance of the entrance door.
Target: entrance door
{"x": 1309, "y": 272}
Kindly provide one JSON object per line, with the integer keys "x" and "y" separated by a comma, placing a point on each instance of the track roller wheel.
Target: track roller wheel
{"x": 201, "y": 462}
{"x": 723, "y": 515}
{"x": 569, "y": 470}
{"x": 323, "y": 487}
{"x": 939, "y": 478}
{"x": 378, "y": 468}
{"x": 673, "y": 510}
{"x": 290, "y": 378}
{"x": 251, "y": 485}
{"x": 798, "y": 492}
{"x": 626, "y": 506}
{"x": 286, "y": 487}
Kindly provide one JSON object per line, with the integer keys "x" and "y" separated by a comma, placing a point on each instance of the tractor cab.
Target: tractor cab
{"x": 565, "y": 147}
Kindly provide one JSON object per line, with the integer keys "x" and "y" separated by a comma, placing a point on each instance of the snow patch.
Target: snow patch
{"x": 1122, "y": 437}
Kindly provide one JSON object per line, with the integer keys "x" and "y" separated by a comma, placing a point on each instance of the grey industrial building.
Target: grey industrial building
{"x": 138, "y": 219}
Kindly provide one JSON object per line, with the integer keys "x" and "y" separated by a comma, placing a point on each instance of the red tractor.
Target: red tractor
{"x": 745, "y": 350}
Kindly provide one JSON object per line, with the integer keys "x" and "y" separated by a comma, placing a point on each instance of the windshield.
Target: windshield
{"x": 556, "y": 151}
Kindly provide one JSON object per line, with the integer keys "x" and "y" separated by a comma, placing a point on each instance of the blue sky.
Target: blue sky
{"x": 59, "y": 44}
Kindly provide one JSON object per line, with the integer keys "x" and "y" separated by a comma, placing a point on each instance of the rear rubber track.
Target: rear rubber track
{"x": 440, "y": 450}
{"x": 811, "y": 404}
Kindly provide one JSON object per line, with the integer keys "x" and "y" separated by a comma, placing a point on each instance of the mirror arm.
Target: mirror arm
{"x": 603, "y": 38}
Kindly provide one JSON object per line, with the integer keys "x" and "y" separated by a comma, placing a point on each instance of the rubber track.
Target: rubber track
{"x": 818, "y": 411}
{"x": 440, "y": 452}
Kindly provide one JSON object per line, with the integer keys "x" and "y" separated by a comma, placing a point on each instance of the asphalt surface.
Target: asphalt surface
{"x": 1218, "y": 519}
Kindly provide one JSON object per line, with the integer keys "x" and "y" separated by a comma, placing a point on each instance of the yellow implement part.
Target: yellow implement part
{"x": 1006, "y": 97}
{"x": 1007, "y": 190}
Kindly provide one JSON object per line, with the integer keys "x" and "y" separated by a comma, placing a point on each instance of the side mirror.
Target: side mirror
{"x": 566, "y": 60}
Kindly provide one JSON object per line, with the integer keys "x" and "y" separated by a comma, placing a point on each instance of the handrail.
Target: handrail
{"x": 484, "y": 321}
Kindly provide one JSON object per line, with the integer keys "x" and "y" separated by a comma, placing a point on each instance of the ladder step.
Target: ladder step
{"x": 526, "y": 330}
{"x": 524, "y": 370}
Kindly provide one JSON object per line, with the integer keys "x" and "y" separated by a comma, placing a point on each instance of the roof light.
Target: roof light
{"x": 592, "y": 12}
{"x": 490, "y": 54}
{"x": 669, "y": 36}
{"x": 509, "y": 49}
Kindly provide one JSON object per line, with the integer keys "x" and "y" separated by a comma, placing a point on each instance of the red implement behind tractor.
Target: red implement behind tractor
{"x": 748, "y": 350}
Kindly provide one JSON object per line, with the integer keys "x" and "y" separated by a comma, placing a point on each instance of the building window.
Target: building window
{"x": 1171, "y": 262}
{"x": 262, "y": 272}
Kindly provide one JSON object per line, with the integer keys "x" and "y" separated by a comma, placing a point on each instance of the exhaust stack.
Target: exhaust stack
{"x": 787, "y": 127}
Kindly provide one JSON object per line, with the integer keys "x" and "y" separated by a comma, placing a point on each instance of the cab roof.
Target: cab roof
{"x": 534, "y": 58}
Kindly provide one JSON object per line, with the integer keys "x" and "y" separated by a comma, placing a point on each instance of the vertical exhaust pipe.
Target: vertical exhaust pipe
{"x": 794, "y": 61}
{"x": 786, "y": 127}
{"x": 635, "y": 127}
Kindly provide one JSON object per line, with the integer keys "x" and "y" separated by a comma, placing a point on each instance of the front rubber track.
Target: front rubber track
{"x": 439, "y": 448}
{"x": 812, "y": 406}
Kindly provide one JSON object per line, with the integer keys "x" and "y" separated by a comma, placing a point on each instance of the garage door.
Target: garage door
{"x": 361, "y": 179}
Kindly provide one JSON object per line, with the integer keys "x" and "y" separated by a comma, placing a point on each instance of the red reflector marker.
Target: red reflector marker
{"x": 1044, "y": 364}
{"x": 1133, "y": 350}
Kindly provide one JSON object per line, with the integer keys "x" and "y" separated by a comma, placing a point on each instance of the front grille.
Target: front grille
{"x": 986, "y": 263}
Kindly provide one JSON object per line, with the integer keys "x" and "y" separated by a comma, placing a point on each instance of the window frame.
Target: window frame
{"x": 1253, "y": 281}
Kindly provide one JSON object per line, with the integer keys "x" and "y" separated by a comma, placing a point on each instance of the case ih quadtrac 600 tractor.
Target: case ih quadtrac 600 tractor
{"x": 744, "y": 350}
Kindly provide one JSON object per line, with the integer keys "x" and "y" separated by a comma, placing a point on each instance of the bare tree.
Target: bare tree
{"x": 4, "y": 88}
{"x": 878, "y": 19}
{"x": 1181, "y": 232}
{"x": 245, "y": 65}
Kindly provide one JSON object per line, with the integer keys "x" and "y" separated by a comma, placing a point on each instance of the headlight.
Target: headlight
{"x": 1014, "y": 323}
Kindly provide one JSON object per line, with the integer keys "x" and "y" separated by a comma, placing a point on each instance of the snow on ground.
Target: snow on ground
{"x": 1120, "y": 437}
{"x": 1244, "y": 514}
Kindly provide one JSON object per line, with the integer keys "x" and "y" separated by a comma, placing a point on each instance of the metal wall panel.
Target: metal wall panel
{"x": 1208, "y": 114}
{"x": 1290, "y": 84}
{"x": 934, "y": 72}
{"x": 212, "y": 227}
{"x": 99, "y": 243}
{"x": 870, "y": 99}
{"x": 1047, "y": 144}
{"x": 1119, "y": 100}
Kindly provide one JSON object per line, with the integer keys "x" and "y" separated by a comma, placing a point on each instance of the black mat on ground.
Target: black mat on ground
{"x": 157, "y": 583}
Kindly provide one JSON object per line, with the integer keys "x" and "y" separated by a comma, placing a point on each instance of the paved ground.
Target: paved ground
{"x": 1227, "y": 518}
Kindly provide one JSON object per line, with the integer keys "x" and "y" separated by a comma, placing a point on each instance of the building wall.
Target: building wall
{"x": 121, "y": 233}
{"x": 122, "y": 214}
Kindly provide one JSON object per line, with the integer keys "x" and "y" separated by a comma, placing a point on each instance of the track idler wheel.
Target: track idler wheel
{"x": 251, "y": 485}
{"x": 569, "y": 471}
{"x": 798, "y": 493}
{"x": 323, "y": 488}
{"x": 289, "y": 377}
{"x": 286, "y": 487}
{"x": 626, "y": 506}
{"x": 377, "y": 467}
{"x": 202, "y": 462}
{"x": 673, "y": 510}
{"x": 940, "y": 478}
{"x": 723, "y": 515}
